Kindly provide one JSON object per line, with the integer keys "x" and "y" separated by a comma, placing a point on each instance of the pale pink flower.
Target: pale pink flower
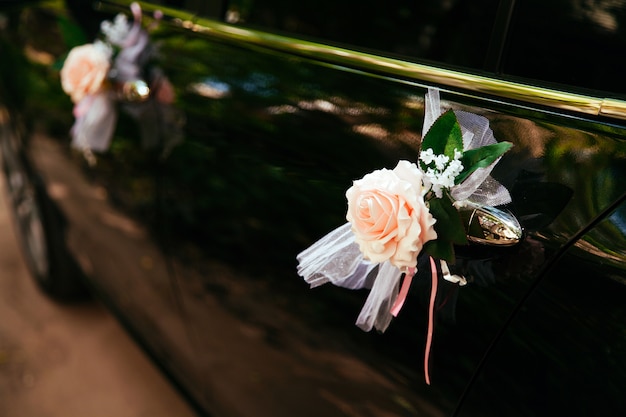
{"x": 389, "y": 217}
{"x": 85, "y": 70}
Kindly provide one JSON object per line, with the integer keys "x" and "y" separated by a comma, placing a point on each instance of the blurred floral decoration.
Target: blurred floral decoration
{"x": 417, "y": 208}
{"x": 117, "y": 70}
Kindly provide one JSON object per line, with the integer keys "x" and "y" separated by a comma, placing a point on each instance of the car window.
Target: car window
{"x": 578, "y": 43}
{"x": 454, "y": 32}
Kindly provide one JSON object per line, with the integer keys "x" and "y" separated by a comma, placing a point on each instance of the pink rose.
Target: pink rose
{"x": 388, "y": 215}
{"x": 85, "y": 70}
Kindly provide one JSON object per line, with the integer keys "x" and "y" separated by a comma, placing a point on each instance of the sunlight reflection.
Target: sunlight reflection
{"x": 601, "y": 12}
{"x": 375, "y": 131}
{"x": 210, "y": 89}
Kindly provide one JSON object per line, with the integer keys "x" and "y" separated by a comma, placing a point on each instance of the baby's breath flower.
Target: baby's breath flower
{"x": 116, "y": 32}
{"x": 103, "y": 48}
{"x": 441, "y": 161}
{"x": 427, "y": 156}
{"x": 444, "y": 172}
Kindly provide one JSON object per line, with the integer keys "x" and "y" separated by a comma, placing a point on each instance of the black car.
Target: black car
{"x": 182, "y": 181}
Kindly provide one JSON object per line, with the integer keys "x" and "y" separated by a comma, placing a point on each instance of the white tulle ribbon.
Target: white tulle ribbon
{"x": 455, "y": 279}
{"x": 376, "y": 312}
{"x": 336, "y": 258}
{"x": 95, "y": 122}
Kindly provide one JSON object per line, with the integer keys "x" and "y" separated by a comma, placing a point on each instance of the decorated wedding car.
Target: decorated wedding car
{"x": 355, "y": 208}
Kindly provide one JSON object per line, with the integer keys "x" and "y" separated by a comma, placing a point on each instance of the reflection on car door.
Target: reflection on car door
{"x": 107, "y": 204}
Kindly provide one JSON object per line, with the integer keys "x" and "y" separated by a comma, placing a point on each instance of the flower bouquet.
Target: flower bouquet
{"x": 415, "y": 209}
{"x": 116, "y": 68}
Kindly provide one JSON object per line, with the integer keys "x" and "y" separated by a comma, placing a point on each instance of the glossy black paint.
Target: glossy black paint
{"x": 563, "y": 354}
{"x": 196, "y": 247}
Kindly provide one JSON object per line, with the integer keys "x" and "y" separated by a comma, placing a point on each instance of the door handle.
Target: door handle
{"x": 489, "y": 225}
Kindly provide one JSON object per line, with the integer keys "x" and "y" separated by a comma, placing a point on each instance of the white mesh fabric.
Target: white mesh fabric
{"x": 93, "y": 128}
{"x": 376, "y": 312}
{"x": 335, "y": 258}
{"x": 479, "y": 187}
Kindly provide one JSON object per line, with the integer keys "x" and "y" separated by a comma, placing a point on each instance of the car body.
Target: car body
{"x": 189, "y": 224}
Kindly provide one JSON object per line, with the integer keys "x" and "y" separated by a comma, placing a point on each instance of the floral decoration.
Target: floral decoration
{"x": 85, "y": 70}
{"x": 395, "y": 216}
{"x": 116, "y": 70}
{"x": 389, "y": 217}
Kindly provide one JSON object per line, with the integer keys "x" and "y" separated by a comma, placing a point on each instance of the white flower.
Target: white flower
{"x": 104, "y": 48}
{"x": 443, "y": 174}
{"x": 456, "y": 166}
{"x": 441, "y": 161}
{"x": 427, "y": 156}
{"x": 116, "y": 31}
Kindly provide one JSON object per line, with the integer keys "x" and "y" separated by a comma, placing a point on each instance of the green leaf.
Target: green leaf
{"x": 444, "y": 136}
{"x": 439, "y": 249}
{"x": 449, "y": 224}
{"x": 480, "y": 158}
{"x": 449, "y": 228}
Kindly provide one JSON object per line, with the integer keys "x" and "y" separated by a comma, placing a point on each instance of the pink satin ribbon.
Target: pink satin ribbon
{"x": 431, "y": 318}
{"x": 404, "y": 291}
{"x": 397, "y": 306}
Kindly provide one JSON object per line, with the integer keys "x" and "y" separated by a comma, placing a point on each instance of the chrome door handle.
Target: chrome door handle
{"x": 133, "y": 91}
{"x": 489, "y": 225}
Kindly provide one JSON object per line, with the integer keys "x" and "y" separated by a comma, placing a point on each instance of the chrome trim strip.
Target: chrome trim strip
{"x": 408, "y": 71}
{"x": 613, "y": 108}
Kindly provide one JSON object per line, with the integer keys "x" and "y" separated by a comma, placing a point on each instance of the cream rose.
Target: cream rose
{"x": 388, "y": 215}
{"x": 85, "y": 70}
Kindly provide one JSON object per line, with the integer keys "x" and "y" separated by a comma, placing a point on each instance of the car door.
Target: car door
{"x": 563, "y": 352}
{"x": 279, "y": 124}
{"x": 281, "y": 107}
